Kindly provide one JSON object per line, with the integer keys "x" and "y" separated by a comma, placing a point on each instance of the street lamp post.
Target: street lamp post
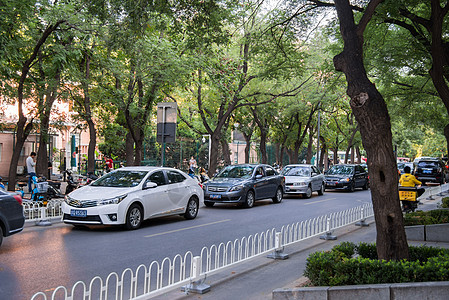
{"x": 208, "y": 156}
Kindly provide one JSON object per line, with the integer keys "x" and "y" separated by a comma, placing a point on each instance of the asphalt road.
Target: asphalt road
{"x": 39, "y": 259}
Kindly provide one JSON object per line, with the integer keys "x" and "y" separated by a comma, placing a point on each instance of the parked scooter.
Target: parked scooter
{"x": 54, "y": 189}
{"x": 71, "y": 183}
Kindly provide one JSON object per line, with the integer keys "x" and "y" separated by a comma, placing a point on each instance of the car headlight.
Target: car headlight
{"x": 236, "y": 188}
{"x": 67, "y": 199}
{"x": 115, "y": 200}
{"x": 299, "y": 183}
{"x": 345, "y": 180}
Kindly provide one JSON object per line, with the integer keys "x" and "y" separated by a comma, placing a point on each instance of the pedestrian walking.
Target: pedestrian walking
{"x": 31, "y": 170}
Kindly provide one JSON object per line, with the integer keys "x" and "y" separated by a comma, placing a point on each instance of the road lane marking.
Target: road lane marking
{"x": 187, "y": 228}
{"x": 319, "y": 201}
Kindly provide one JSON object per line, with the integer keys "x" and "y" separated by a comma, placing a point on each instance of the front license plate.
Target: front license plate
{"x": 427, "y": 171}
{"x": 78, "y": 213}
{"x": 215, "y": 196}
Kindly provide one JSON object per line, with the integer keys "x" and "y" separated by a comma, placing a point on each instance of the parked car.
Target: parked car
{"x": 12, "y": 218}
{"x": 346, "y": 177}
{"x": 303, "y": 180}
{"x": 244, "y": 184}
{"x": 431, "y": 170}
{"x": 129, "y": 195}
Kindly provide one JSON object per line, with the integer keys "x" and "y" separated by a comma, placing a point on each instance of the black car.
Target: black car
{"x": 244, "y": 184}
{"x": 431, "y": 170}
{"x": 347, "y": 177}
{"x": 12, "y": 218}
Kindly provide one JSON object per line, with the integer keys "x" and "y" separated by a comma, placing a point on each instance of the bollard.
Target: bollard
{"x": 196, "y": 284}
{"x": 278, "y": 252}
{"x": 328, "y": 235}
{"x": 362, "y": 221}
{"x": 43, "y": 221}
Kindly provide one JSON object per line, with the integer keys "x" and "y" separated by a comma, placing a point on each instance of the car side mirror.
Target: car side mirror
{"x": 149, "y": 185}
{"x": 259, "y": 176}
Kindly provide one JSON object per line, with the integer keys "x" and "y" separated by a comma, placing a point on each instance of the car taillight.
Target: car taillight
{"x": 18, "y": 198}
{"x": 200, "y": 184}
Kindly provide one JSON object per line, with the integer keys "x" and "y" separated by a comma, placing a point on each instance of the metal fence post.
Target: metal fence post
{"x": 362, "y": 221}
{"x": 278, "y": 252}
{"x": 328, "y": 235}
{"x": 43, "y": 221}
{"x": 196, "y": 284}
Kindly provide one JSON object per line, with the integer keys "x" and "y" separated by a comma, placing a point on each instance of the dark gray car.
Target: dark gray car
{"x": 11, "y": 214}
{"x": 244, "y": 184}
{"x": 346, "y": 177}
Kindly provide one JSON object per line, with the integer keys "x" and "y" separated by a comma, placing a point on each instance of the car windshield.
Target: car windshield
{"x": 236, "y": 172}
{"x": 296, "y": 171}
{"x": 427, "y": 164}
{"x": 120, "y": 178}
{"x": 341, "y": 170}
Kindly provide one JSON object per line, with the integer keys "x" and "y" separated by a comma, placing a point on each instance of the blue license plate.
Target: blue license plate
{"x": 427, "y": 171}
{"x": 78, "y": 213}
{"x": 215, "y": 196}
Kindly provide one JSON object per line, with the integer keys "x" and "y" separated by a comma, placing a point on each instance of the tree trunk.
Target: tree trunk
{"x": 263, "y": 148}
{"x": 226, "y": 151}
{"x": 247, "y": 146}
{"x": 215, "y": 141}
{"x": 129, "y": 146}
{"x": 92, "y": 145}
{"x": 372, "y": 115}
{"x": 446, "y": 134}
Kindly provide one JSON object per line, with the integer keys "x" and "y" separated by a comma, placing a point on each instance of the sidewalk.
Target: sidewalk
{"x": 257, "y": 278}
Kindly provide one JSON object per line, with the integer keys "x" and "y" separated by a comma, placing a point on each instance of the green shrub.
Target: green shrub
{"x": 437, "y": 216}
{"x": 445, "y": 202}
{"x": 348, "y": 264}
{"x": 367, "y": 250}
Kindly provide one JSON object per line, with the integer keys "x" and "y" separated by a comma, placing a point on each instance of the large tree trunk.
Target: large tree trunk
{"x": 446, "y": 134}
{"x": 247, "y": 146}
{"x": 215, "y": 141}
{"x": 226, "y": 151}
{"x": 129, "y": 150}
{"x": 372, "y": 115}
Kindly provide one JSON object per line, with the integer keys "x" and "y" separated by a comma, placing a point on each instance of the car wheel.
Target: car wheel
{"x": 278, "y": 197}
{"x": 249, "y": 200}
{"x": 352, "y": 187}
{"x": 192, "y": 209}
{"x": 1, "y": 235}
{"x": 209, "y": 204}
{"x": 321, "y": 190}
{"x": 134, "y": 217}
{"x": 308, "y": 193}
{"x": 366, "y": 186}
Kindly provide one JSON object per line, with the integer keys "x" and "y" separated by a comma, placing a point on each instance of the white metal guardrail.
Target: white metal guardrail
{"x": 36, "y": 211}
{"x": 188, "y": 270}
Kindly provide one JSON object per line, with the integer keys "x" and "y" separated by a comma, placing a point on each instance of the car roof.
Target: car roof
{"x": 144, "y": 168}
{"x": 299, "y": 165}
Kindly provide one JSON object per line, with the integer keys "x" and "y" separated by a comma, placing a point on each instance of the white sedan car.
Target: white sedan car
{"x": 129, "y": 195}
{"x": 303, "y": 180}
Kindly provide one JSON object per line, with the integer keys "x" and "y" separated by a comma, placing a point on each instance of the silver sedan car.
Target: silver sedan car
{"x": 303, "y": 180}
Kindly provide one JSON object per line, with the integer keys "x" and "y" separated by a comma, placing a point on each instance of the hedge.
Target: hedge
{"x": 350, "y": 264}
{"x": 436, "y": 216}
